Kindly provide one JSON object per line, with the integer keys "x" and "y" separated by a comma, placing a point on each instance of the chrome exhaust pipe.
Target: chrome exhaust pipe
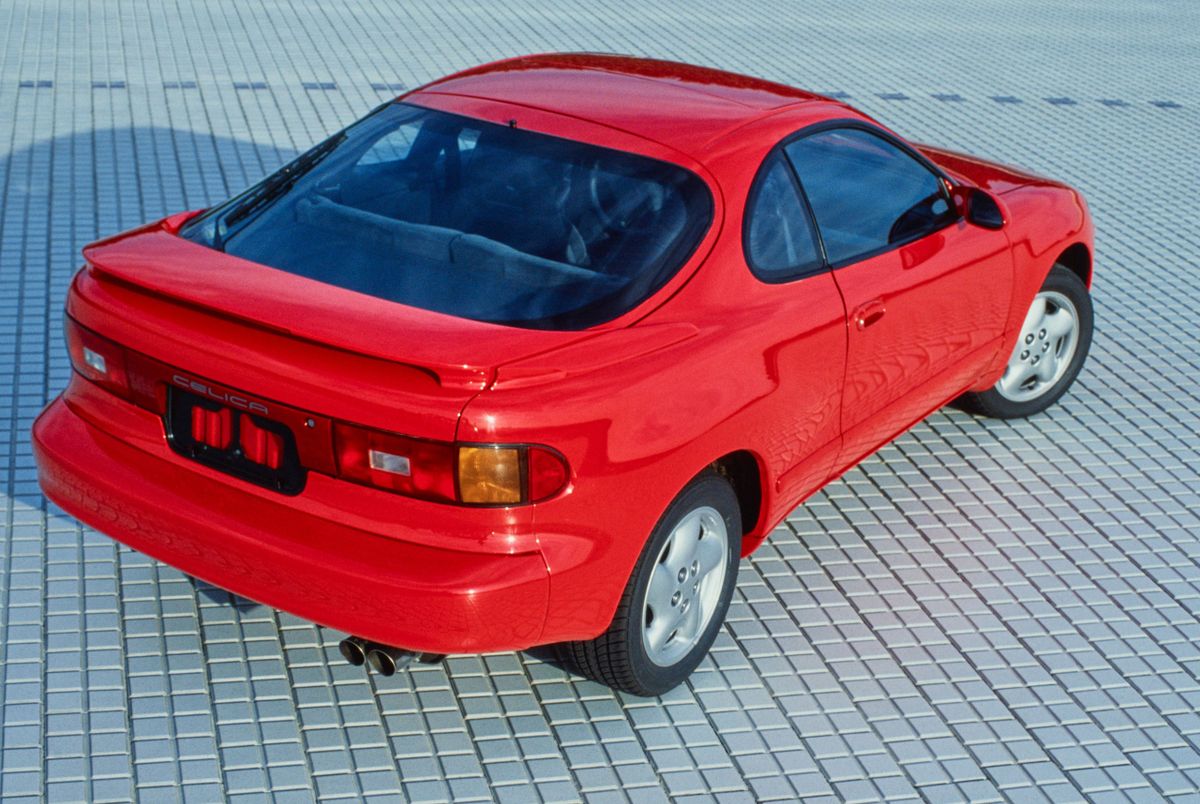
{"x": 353, "y": 650}
{"x": 386, "y": 660}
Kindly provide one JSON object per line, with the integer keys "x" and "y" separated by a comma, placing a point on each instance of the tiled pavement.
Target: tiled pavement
{"x": 983, "y": 611}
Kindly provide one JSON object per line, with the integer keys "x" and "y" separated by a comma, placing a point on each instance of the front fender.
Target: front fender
{"x": 1044, "y": 222}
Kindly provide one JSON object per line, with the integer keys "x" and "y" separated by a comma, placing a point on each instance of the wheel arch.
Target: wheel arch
{"x": 1078, "y": 259}
{"x": 744, "y": 471}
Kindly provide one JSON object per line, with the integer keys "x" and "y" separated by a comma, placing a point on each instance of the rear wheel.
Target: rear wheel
{"x": 676, "y": 600}
{"x": 1049, "y": 352}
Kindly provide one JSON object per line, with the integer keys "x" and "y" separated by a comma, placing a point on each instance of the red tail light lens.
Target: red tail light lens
{"x": 409, "y": 466}
{"x": 468, "y": 474}
{"x": 259, "y": 444}
{"x": 212, "y": 427}
{"x": 548, "y": 473}
{"x": 98, "y": 359}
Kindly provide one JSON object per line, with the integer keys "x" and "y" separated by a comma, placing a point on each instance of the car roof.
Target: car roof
{"x": 681, "y": 105}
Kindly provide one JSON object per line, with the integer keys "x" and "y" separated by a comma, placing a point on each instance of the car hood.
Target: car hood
{"x": 994, "y": 177}
{"x": 461, "y": 352}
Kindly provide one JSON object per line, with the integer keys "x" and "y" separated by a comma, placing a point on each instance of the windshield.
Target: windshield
{"x": 478, "y": 220}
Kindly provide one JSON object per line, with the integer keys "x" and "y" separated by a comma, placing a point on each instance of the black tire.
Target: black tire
{"x": 993, "y": 402}
{"x": 618, "y": 657}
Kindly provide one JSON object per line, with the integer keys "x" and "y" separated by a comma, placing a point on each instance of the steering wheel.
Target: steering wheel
{"x": 619, "y": 201}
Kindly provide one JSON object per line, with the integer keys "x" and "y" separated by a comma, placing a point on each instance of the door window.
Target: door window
{"x": 867, "y": 194}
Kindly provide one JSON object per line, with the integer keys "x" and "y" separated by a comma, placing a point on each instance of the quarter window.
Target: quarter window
{"x": 779, "y": 237}
{"x": 867, "y": 194}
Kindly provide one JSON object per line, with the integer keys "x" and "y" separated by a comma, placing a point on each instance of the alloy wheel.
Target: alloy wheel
{"x": 685, "y": 586}
{"x": 1044, "y": 349}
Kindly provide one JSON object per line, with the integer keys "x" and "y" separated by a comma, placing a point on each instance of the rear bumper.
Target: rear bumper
{"x": 375, "y": 576}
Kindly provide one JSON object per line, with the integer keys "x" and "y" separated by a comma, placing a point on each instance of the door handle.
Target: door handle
{"x": 869, "y": 313}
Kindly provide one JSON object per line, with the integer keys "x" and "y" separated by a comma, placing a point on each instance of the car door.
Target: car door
{"x": 926, "y": 293}
{"x": 807, "y": 350}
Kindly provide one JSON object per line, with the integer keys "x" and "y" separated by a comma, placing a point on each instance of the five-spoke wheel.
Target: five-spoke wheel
{"x": 685, "y": 586}
{"x": 1049, "y": 351}
{"x": 676, "y": 598}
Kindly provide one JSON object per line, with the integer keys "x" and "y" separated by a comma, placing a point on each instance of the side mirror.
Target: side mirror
{"x": 979, "y": 207}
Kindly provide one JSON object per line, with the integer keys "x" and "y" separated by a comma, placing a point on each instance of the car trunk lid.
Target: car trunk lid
{"x": 294, "y": 340}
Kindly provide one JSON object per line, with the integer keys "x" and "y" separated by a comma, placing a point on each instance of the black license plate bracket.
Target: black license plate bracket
{"x": 287, "y": 478}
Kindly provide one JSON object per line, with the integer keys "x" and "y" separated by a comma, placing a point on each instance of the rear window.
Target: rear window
{"x": 474, "y": 219}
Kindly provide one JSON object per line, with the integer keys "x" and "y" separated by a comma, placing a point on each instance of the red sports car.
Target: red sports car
{"x": 535, "y": 353}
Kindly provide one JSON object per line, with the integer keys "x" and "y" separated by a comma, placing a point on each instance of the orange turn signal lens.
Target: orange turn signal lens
{"x": 489, "y": 475}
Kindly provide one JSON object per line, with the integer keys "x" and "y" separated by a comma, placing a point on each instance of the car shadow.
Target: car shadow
{"x": 68, "y": 191}
{"x": 222, "y": 597}
{"x": 90, "y": 184}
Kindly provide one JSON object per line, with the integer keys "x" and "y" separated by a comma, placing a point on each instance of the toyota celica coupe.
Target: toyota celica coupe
{"x": 534, "y": 354}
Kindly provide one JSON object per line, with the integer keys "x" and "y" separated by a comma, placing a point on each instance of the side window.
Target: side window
{"x": 866, "y": 193}
{"x": 779, "y": 238}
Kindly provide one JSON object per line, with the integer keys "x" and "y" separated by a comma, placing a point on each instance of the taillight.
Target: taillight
{"x": 490, "y": 475}
{"x": 470, "y": 474}
{"x": 410, "y": 466}
{"x": 98, "y": 359}
{"x": 548, "y": 473}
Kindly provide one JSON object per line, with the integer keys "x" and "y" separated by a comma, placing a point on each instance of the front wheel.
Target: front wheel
{"x": 675, "y": 601}
{"x": 1049, "y": 352}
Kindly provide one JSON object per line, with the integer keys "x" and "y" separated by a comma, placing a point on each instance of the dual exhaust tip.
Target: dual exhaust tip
{"x": 383, "y": 659}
